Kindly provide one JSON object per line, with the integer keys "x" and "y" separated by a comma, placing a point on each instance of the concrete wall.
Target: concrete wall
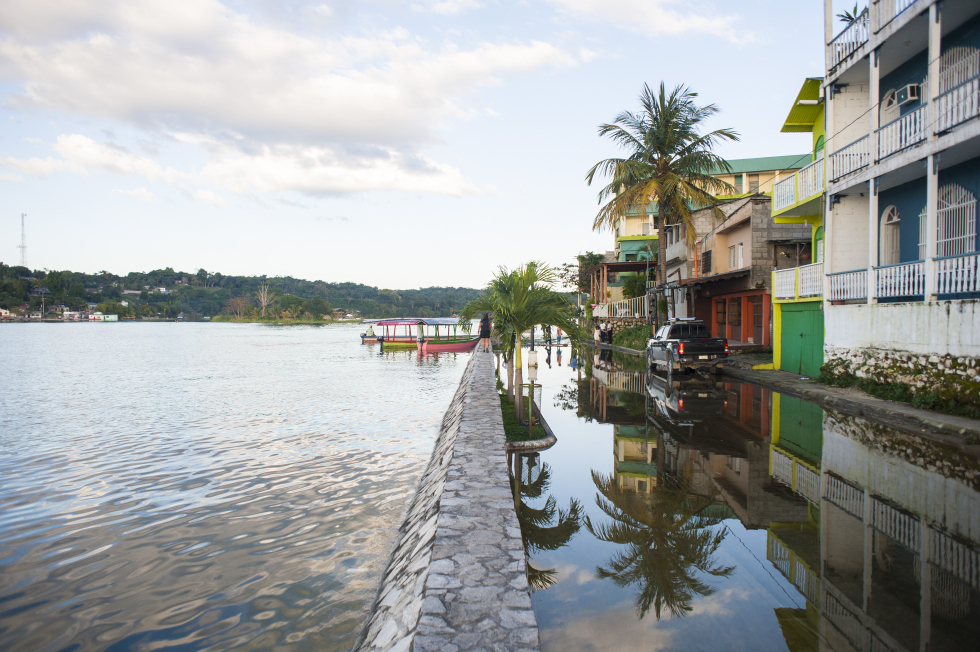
{"x": 850, "y": 120}
{"x": 850, "y": 237}
{"x": 931, "y": 346}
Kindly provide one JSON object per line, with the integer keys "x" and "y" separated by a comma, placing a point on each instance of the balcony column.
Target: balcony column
{"x": 828, "y": 29}
{"x": 872, "y": 239}
{"x": 935, "y": 52}
{"x": 932, "y": 220}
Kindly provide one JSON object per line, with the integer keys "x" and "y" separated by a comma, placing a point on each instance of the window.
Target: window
{"x": 646, "y": 228}
{"x": 889, "y": 253}
{"x": 958, "y": 65}
{"x": 731, "y": 257}
{"x": 738, "y": 183}
{"x": 956, "y": 227}
{"x": 720, "y": 312}
{"x": 735, "y": 312}
{"x": 889, "y": 108}
{"x": 753, "y": 183}
{"x": 706, "y": 262}
{"x": 818, "y": 236}
{"x": 818, "y": 149}
{"x": 641, "y": 485}
{"x": 699, "y": 330}
{"x": 741, "y": 260}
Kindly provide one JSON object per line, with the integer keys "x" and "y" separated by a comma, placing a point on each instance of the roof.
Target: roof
{"x": 624, "y": 266}
{"x": 399, "y": 322}
{"x": 439, "y": 321}
{"x": 765, "y": 163}
{"x": 802, "y": 117}
{"x": 700, "y": 280}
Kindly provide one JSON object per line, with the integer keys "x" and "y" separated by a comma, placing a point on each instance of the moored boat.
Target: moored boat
{"x": 396, "y": 333}
{"x": 442, "y": 335}
{"x": 369, "y": 336}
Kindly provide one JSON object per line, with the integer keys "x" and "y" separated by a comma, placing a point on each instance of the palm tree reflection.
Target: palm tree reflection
{"x": 547, "y": 528}
{"x": 668, "y": 545}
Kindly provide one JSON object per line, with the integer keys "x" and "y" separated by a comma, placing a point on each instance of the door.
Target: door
{"x": 890, "y": 240}
{"x": 757, "y": 321}
{"x": 801, "y": 338}
{"x": 735, "y": 318}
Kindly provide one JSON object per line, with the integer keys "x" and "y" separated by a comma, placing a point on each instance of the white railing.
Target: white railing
{"x": 847, "y": 497}
{"x": 782, "y": 468}
{"x": 955, "y": 557}
{"x": 902, "y": 280}
{"x": 889, "y": 10}
{"x": 600, "y": 310}
{"x": 902, "y": 133}
{"x": 843, "y": 620}
{"x": 848, "y": 159}
{"x": 806, "y": 581}
{"x": 636, "y": 308}
{"x": 784, "y": 284}
{"x": 778, "y": 554}
{"x": 958, "y": 105}
{"x": 811, "y": 179}
{"x": 845, "y": 286}
{"x": 808, "y": 483}
{"x": 848, "y": 41}
{"x": 622, "y": 381}
{"x": 784, "y": 194}
{"x": 898, "y": 525}
{"x": 958, "y": 275}
{"x": 811, "y": 280}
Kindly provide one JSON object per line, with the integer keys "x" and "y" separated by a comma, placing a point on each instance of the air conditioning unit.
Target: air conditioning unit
{"x": 907, "y": 94}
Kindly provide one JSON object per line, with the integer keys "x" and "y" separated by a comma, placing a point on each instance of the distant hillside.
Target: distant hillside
{"x": 208, "y": 294}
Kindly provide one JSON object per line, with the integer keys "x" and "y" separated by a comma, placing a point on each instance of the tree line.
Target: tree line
{"x": 166, "y": 293}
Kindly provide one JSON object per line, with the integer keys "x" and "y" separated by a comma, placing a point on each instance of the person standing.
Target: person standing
{"x": 558, "y": 333}
{"x": 597, "y": 334}
{"x": 485, "y": 328}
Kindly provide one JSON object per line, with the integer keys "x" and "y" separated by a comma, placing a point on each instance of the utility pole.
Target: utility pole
{"x": 23, "y": 241}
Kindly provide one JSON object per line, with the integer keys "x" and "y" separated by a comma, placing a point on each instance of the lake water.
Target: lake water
{"x": 203, "y": 486}
{"x": 707, "y": 514}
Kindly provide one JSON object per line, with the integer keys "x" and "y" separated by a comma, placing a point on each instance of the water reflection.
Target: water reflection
{"x": 763, "y": 515}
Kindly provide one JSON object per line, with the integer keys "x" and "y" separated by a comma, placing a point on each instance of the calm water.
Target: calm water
{"x": 203, "y": 486}
{"x": 721, "y": 516}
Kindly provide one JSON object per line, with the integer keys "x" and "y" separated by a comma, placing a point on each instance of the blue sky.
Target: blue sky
{"x": 399, "y": 144}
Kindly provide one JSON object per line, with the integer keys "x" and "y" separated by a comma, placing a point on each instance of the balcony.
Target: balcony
{"x": 958, "y": 275}
{"x": 637, "y": 308}
{"x": 793, "y": 195}
{"x": 903, "y": 280}
{"x": 801, "y": 282}
{"x": 901, "y": 133}
{"x": 849, "y": 286}
{"x": 851, "y": 158}
{"x": 848, "y": 41}
{"x": 958, "y": 105}
{"x": 955, "y": 277}
{"x": 889, "y": 10}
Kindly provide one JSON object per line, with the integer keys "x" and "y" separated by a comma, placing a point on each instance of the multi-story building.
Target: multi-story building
{"x": 797, "y": 284}
{"x": 902, "y": 102}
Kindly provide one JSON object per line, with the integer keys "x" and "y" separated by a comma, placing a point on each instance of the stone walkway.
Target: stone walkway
{"x": 457, "y": 580}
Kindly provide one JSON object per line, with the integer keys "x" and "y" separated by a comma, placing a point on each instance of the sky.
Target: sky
{"x": 396, "y": 144}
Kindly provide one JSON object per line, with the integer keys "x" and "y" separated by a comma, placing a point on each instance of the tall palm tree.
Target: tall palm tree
{"x": 669, "y": 164}
{"x": 664, "y": 542}
{"x": 547, "y": 528}
{"x": 520, "y": 300}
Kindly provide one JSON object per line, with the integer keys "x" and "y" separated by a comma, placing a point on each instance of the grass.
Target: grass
{"x": 901, "y": 393}
{"x": 514, "y": 430}
{"x": 634, "y": 337}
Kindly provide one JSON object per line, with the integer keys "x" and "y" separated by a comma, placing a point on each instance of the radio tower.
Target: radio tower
{"x": 23, "y": 241}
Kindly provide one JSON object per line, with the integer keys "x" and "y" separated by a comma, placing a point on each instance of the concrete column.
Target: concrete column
{"x": 868, "y": 552}
{"x": 872, "y": 238}
{"x": 925, "y": 588}
{"x": 828, "y": 227}
{"x": 828, "y": 28}
{"x": 932, "y": 218}
{"x": 935, "y": 51}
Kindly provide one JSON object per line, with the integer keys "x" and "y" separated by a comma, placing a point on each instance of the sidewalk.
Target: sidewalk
{"x": 961, "y": 432}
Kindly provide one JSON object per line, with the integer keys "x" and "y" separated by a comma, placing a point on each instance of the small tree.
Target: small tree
{"x": 238, "y": 306}
{"x": 265, "y": 297}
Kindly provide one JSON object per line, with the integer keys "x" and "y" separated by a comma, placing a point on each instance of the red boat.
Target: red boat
{"x": 443, "y": 336}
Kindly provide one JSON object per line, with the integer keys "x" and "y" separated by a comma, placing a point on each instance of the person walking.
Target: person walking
{"x": 485, "y": 328}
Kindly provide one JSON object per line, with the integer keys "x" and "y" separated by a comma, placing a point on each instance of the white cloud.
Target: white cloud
{"x": 10, "y": 178}
{"x": 224, "y": 82}
{"x": 209, "y": 197}
{"x": 138, "y": 193}
{"x": 657, "y": 17}
{"x": 446, "y": 7}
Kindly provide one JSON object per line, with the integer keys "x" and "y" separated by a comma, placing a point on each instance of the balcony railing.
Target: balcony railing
{"x": 627, "y": 308}
{"x": 958, "y": 105}
{"x": 851, "y": 158}
{"x": 902, "y": 133}
{"x": 847, "y": 286}
{"x": 784, "y": 194}
{"x": 901, "y": 280}
{"x": 889, "y": 10}
{"x": 848, "y": 41}
{"x": 958, "y": 274}
{"x": 803, "y": 185}
{"x": 798, "y": 282}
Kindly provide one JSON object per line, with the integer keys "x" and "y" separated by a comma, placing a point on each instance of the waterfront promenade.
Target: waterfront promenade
{"x": 457, "y": 577}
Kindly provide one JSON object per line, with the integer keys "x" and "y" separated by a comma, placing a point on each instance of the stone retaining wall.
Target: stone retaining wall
{"x": 457, "y": 579}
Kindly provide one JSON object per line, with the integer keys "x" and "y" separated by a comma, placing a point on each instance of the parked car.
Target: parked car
{"x": 686, "y": 343}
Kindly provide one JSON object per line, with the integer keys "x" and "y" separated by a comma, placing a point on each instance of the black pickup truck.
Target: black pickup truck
{"x": 682, "y": 343}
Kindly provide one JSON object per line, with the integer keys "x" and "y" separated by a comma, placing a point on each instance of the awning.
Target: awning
{"x": 701, "y": 280}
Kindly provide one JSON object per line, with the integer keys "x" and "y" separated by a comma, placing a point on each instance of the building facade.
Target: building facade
{"x": 902, "y": 270}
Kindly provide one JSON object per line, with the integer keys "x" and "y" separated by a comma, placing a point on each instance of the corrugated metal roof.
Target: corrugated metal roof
{"x": 802, "y": 116}
{"x": 766, "y": 164}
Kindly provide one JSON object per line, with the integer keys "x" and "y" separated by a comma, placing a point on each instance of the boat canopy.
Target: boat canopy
{"x": 439, "y": 321}
{"x": 398, "y": 322}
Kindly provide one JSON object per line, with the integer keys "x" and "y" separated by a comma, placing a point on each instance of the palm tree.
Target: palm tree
{"x": 665, "y": 541}
{"x": 669, "y": 163}
{"x": 848, "y": 17}
{"x": 547, "y": 528}
{"x": 520, "y": 300}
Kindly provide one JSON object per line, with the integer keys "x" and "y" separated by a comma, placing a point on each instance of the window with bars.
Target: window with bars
{"x": 706, "y": 262}
{"x": 739, "y": 257}
{"x": 956, "y": 223}
{"x": 720, "y": 312}
{"x": 731, "y": 257}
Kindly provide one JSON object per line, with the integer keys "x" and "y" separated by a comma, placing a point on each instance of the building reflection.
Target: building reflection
{"x": 878, "y": 530}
